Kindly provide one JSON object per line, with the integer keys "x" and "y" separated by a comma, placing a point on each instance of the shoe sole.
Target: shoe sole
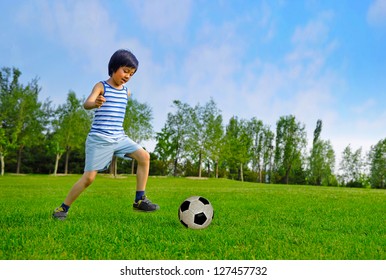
{"x": 141, "y": 210}
{"x": 62, "y": 218}
{"x": 59, "y": 218}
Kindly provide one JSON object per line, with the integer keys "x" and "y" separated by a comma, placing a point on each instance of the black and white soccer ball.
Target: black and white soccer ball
{"x": 196, "y": 212}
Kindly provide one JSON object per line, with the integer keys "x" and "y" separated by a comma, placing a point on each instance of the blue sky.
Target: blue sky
{"x": 265, "y": 59}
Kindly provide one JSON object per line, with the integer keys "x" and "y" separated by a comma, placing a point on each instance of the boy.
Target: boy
{"x": 107, "y": 138}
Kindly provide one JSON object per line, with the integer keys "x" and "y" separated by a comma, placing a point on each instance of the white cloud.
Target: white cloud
{"x": 374, "y": 126}
{"x": 216, "y": 63}
{"x": 376, "y": 14}
{"x": 266, "y": 21}
{"x": 364, "y": 106}
{"x": 84, "y": 28}
{"x": 300, "y": 83}
{"x": 166, "y": 18}
{"x": 315, "y": 32}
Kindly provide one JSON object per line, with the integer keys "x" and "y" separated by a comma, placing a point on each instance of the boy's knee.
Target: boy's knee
{"x": 142, "y": 156}
{"x": 146, "y": 156}
{"x": 88, "y": 179}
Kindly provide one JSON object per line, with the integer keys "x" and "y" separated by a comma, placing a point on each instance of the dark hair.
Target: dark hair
{"x": 122, "y": 58}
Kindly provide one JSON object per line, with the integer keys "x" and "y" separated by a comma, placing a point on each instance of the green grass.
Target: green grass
{"x": 252, "y": 221}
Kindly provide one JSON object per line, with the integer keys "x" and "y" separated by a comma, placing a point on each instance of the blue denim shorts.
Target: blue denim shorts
{"x": 100, "y": 150}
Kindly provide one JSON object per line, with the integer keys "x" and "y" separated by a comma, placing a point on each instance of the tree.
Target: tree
{"x": 328, "y": 154}
{"x": 267, "y": 151}
{"x": 7, "y": 98}
{"x": 137, "y": 123}
{"x": 290, "y": 143}
{"x": 257, "y": 134}
{"x": 56, "y": 146}
{"x": 8, "y": 135}
{"x": 172, "y": 138}
{"x": 70, "y": 129}
{"x": 377, "y": 157}
{"x": 196, "y": 136}
{"x": 352, "y": 168}
{"x": 321, "y": 160}
{"x": 237, "y": 146}
{"x": 24, "y": 118}
{"x": 3, "y": 148}
{"x": 203, "y": 133}
{"x": 166, "y": 148}
{"x": 262, "y": 149}
{"x": 214, "y": 140}
{"x": 316, "y": 159}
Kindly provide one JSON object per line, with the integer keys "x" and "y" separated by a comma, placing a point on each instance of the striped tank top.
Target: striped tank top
{"x": 108, "y": 119}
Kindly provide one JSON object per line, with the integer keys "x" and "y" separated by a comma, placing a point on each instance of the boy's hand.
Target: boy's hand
{"x": 99, "y": 101}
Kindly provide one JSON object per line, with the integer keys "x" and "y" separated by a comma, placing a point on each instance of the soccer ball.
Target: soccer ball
{"x": 196, "y": 212}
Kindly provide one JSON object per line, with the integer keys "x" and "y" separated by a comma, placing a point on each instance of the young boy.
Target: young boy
{"x": 107, "y": 138}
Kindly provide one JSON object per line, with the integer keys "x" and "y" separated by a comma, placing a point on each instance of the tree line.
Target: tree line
{"x": 37, "y": 137}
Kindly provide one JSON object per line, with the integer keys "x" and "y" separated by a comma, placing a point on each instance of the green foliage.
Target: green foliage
{"x": 190, "y": 135}
{"x": 214, "y": 136}
{"x": 251, "y": 221}
{"x": 237, "y": 145}
{"x": 352, "y": 168}
{"x": 262, "y": 149}
{"x": 137, "y": 123}
{"x": 321, "y": 160}
{"x": 70, "y": 129}
{"x": 205, "y": 130}
{"x": 290, "y": 143}
{"x": 24, "y": 118}
{"x": 377, "y": 157}
{"x": 172, "y": 139}
{"x": 193, "y": 142}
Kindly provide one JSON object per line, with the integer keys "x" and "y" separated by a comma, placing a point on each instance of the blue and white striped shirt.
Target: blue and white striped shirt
{"x": 108, "y": 119}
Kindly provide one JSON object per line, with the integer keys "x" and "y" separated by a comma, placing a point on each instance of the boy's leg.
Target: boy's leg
{"x": 86, "y": 180}
{"x": 141, "y": 202}
{"x": 97, "y": 158}
{"x": 143, "y": 159}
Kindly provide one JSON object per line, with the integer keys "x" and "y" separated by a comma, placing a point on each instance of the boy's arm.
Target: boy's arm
{"x": 95, "y": 99}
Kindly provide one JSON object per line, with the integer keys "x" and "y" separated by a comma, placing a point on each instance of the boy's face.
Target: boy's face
{"x": 123, "y": 75}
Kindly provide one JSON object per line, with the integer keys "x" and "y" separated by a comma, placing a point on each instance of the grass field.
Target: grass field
{"x": 252, "y": 221}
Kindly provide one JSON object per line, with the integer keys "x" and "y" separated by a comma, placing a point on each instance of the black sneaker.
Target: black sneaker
{"x": 59, "y": 213}
{"x": 145, "y": 205}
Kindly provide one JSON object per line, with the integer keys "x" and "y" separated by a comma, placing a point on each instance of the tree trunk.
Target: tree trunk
{"x": 199, "y": 164}
{"x": 113, "y": 167}
{"x": 286, "y": 177}
{"x": 58, "y": 156}
{"x": 175, "y": 167}
{"x": 18, "y": 167}
{"x": 176, "y": 161}
{"x": 66, "y": 163}
{"x": 132, "y": 166}
{"x": 216, "y": 169}
{"x": 241, "y": 172}
{"x": 2, "y": 164}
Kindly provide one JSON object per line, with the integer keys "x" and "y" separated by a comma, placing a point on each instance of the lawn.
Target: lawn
{"x": 252, "y": 221}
